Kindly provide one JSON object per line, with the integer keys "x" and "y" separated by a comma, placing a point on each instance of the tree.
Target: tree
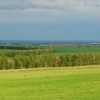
{"x": 17, "y": 62}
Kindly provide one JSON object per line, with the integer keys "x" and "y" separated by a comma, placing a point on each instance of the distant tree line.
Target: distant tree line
{"x": 13, "y": 47}
{"x": 19, "y": 47}
{"x": 46, "y": 58}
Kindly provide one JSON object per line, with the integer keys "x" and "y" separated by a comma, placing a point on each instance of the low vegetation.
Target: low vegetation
{"x": 76, "y": 49}
{"x": 59, "y": 84}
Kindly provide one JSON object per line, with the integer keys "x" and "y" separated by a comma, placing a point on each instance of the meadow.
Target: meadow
{"x": 76, "y": 49}
{"x": 63, "y": 83}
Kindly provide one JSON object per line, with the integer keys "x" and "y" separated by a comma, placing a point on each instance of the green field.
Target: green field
{"x": 50, "y": 84}
{"x": 76, "y": 49}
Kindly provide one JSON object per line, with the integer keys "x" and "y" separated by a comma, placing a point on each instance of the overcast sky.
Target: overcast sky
{"x": 49, "y": 19}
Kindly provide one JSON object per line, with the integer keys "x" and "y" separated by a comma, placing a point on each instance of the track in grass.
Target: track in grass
{"x": 59, "y": 84}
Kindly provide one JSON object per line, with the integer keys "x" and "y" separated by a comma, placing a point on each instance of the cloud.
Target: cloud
{"x": 32, "y": 4}
{"x": 47, "y": 10}
{"x": 12, "y": 5}
{"x": 47, "y": 4}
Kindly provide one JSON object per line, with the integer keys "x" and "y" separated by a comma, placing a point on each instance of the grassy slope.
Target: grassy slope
{"x": 63, "y": 84}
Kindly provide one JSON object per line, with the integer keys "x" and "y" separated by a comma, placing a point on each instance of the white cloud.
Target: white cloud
{"x": 47, "y": 4}
{"x": 48, "y": 10}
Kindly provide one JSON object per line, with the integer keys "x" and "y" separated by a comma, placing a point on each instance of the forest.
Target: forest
{"x": 37, "y": 58}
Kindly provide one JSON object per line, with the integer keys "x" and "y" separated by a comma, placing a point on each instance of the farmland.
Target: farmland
{"x": 76, "y": 49}
{"x": 49, "y": 72}
{"x": 76, "y": 83}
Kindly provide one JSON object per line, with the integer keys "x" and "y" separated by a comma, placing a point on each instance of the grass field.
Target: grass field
{"x": 76, "y": 49}
{"x": 56, "y": 84}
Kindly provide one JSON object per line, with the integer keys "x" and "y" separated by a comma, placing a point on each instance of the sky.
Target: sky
{"x": 67, "y": 20}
